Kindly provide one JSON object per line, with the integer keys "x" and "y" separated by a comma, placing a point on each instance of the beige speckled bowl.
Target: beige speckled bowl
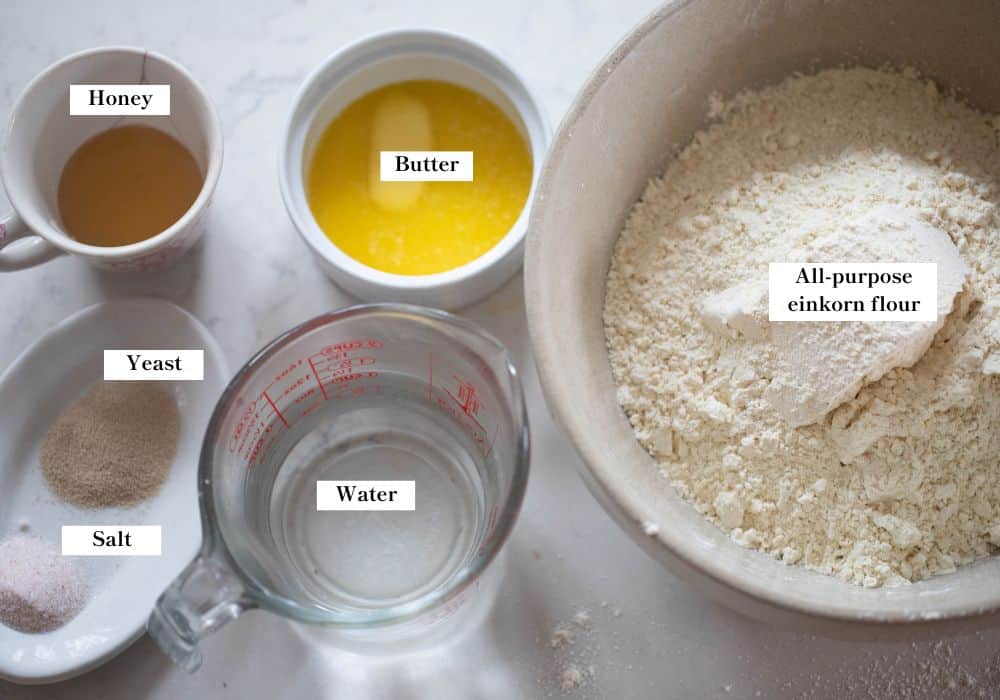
{"x": 647, "y": 97}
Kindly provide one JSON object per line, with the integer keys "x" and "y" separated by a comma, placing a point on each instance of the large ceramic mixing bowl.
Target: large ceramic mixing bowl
{"x": 647, "y": 98}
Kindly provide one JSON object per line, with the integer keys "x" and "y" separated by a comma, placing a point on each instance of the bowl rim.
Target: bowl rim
{"x": 402, "y": 41}
{"x": 666, "y": 547}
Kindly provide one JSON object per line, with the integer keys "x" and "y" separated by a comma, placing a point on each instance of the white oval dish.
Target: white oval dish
{"x": 38, "y": 385}
{"x": 366, "y": 65}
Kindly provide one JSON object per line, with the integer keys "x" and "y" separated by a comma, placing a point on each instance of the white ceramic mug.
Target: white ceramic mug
{"x": 42, "y": 136}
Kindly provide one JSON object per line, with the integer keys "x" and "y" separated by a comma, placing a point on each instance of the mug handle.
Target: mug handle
{"x": 35, "y": 251}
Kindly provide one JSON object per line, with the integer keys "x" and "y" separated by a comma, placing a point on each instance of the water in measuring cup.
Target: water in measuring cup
{"x": 368, "y": 560}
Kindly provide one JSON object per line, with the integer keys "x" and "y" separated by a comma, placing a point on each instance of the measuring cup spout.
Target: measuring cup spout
{"x": 202, "y": 599}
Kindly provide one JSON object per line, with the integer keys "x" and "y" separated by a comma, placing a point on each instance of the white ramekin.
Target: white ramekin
{"x": 366, "y": 65}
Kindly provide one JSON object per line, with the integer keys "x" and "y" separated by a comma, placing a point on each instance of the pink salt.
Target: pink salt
{"x": 40, "y": 590}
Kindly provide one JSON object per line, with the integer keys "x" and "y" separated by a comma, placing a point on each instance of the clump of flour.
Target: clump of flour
{"x": 573, "y": 669}
{"x": 899, "y": 480}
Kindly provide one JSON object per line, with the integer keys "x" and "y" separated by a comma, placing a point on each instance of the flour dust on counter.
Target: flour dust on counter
{"x": 574, "y": 654}
{"x": 867, "y": 451}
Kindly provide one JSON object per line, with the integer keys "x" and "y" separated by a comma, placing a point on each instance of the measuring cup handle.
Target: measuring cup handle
{"x": 34, "y": 251}
{"x": 202, "y": 599}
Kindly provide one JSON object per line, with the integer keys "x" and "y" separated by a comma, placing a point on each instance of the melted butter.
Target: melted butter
{"x": 400, "y": 123}
{"x": 417, "y": 228}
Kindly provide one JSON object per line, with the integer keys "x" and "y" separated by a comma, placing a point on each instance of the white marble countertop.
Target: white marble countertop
{"x": 252, "y": 278}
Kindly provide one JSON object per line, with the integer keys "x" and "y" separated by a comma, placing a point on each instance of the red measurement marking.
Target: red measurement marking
{"x": 373, "y": 343}
{"x": 284, "y": 373}
{"x": 241, "y": 426}
{"x": 275, "y": 409}
{"x": 467, "y": 395}
{"x": 312, "y": 408}
{"x": 316, "y": 377}
{"x": 492, "y": 442}
{"x": 343, "y": 379}
{"x": 462, "y": 407}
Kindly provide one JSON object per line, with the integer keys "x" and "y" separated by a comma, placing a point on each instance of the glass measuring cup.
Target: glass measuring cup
{"x": 377, "y": 392}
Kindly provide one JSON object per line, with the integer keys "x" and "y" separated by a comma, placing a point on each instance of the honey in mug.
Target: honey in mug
{"x": 125, "y": 185}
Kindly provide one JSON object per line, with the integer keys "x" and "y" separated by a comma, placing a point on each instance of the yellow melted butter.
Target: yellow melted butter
{"x": 418, "y": 228}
